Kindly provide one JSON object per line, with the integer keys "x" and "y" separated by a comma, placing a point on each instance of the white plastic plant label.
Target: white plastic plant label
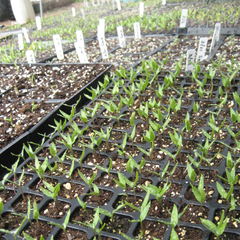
{"x": 202, "y": 48}
{"x": 38, "y": 23}
{"x": 100, "y": 31}
{"x": 190, "y": 60}
{"x": 121, "y": 37}
{"x": 137, "y": 31}
{"x": 58, "y": 46}
{"x": 24, "y": 30}
{"x": 81, "y": 52}
{"x": 80, "y": 38}
{"x": 216, "y": 35}
{"x": 30, "y": 56}
{"x": 141, "y": 9}
{"x": 164, "y": 2}
{"x": 183, "y": 20}
{"x": 103, "y": 47}
{"x": 20, "y": 41}
{"x": 98, "y": 2}
{"x": 83, "y": 14}
{"x": 118, "y": 5}
{"x": 102, "y": 23}
{"x": 93, "y": 3}
{"x": 73, "y": 11}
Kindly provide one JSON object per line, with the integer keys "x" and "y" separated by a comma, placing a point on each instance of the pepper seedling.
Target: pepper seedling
{"x": 15, "y": 231}
{"x": 174, "y": 221}
{"x": 88, "y": 182}
{"x": 143, "y": 211}
{"x": 157, "y": 192}
{"x": 217, "y": 230}
{"x": 51, "y": 191}
{"x": 94, "y": 223}
{"x": 40, "y": 169}
{"x": 63, "y": 226}
{"x": 224, "y": 194}
{"x": 199, "y": 192}
{"x": 69, "y": 140}
{"x": 28, "y": 237}
{"x": 79, "y": 131}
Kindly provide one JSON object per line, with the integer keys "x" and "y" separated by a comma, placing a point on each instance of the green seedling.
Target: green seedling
{"x": 128, "y": 238}
{"x": 211, "y": 75}
{"x": 18, "y": 184}
{"x": 94, "y": 93}
{"x": 40, "y": 169}
{"x": 127, "y": 101}
{"x": 51, "y": 191}
{"x": 107, "y": 170}
{"x": 132, "y": 136}
{"x": 142, "y": 85}
{"x": 217, "y": 230}
{"x": 88, "y": 182}
{"x": 10, "y": 120}
{"x": 121, "y": 151}
{"x": 28, "y": 237}
{"x": 123, "y": 182}
{"x": 223, "y": 193}
{"x": 84, "y": 206}
{"x": 69, "y": 140}
{"x": 105, "y": 136}
{"x": 143, "y": 112}
{"x": 59, "y": 126}
{"x": 78, "y": 130}
{"x": 232, "y": 177}
{"x": 199, "y": 192}
{"x": 143, "y": 211}
{"x": 205, "y": 148}
{"x": 175, "y": 106}
{"x": 93, "y": 113}
{"x": 149, "y": 137}
{"x": 177, "y": 141}
{"x": 52, "y": 169}
{"x": 157, "y": 192}
{"x": 83, "y": 116}
{"x": 30, "y": 151}
{"x": 15, "y": 231}
{"x": 191, "y": 173}
{"x": 175, "y": 216}
{"x": 94, "y": 223}
{"x": 66, "y": 116}
{"x": 34, "y": 106}
{"x": 63, "y": 226}
{"x": 104, "y": 84}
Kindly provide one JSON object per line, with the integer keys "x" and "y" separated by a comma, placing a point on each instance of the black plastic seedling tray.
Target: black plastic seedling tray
{"x": 43, "y": 126}
{"x": 111, "y": 195}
